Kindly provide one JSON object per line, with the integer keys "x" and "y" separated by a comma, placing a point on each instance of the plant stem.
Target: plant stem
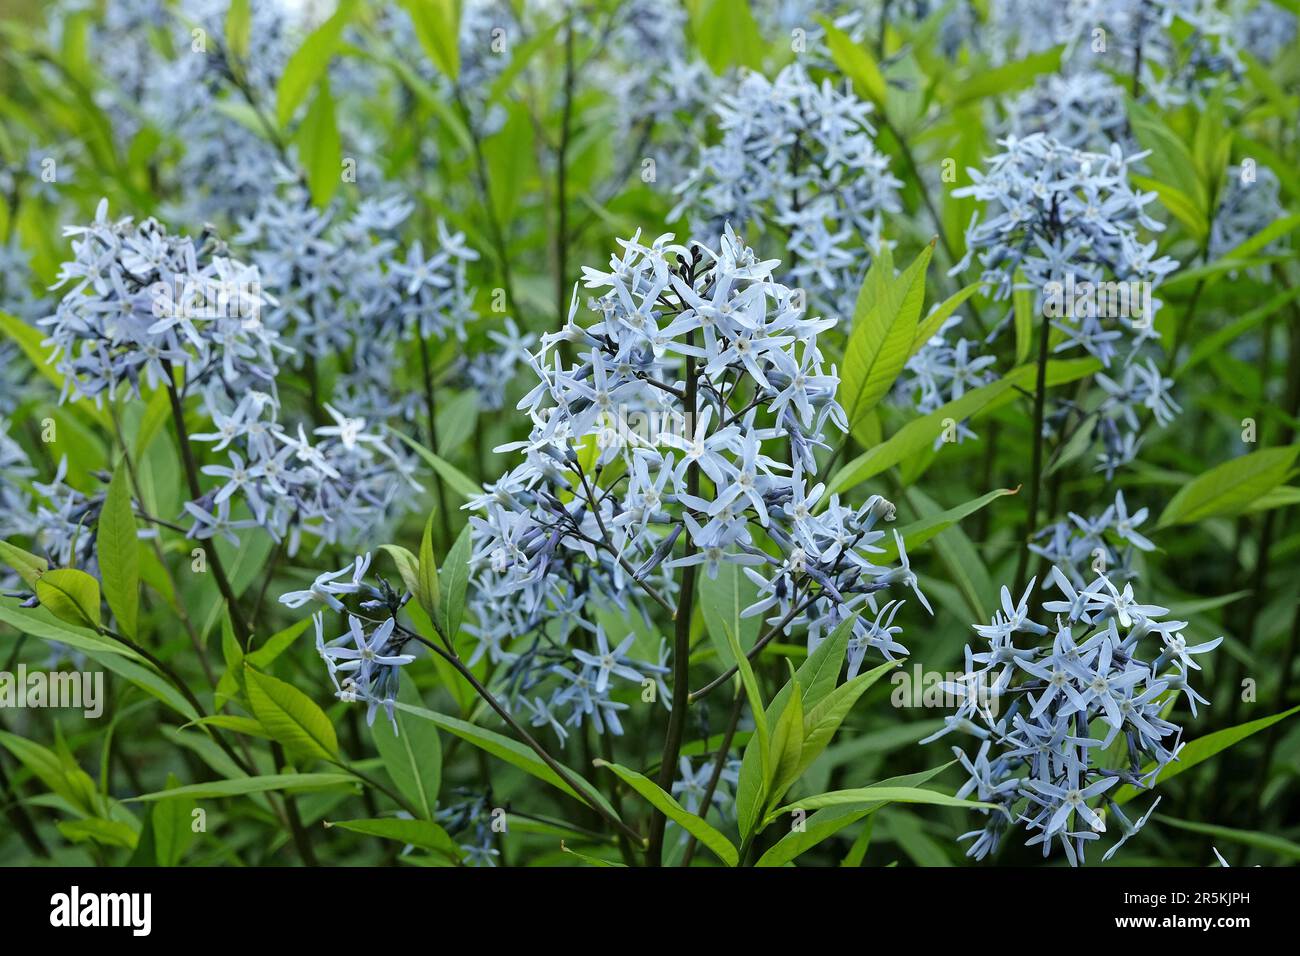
{"x": 719, "y": 764}
{"x": 681, "y": 643}
{"x": 242, "y": 630}
{"x": 1036, "y": 466}
{"x": 431, "y": 409}
{"x": 556, "y": 767}
{"x": 181, "y": 612}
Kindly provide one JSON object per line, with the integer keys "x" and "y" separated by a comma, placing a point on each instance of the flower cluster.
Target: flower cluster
{"x": 797, "y": 158}
{"x": 1179, "y": 50}
{"x": 1246, "y": 205}
{"x": 1087, "y": 712}
{"x": 364, "y": 662}
{"x": 1083, "y": 110}
{"x": 343, "y": 284}
{"x": 691, "y": 417}
{"x": 942, "y": 371}
{"x": 140, "y": 305}
{"x": 1086, "y": 546}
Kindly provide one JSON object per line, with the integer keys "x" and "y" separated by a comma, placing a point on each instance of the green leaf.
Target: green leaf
{"x": 173, "y": 830}
{"x": 408, "y": 566}
{"x": 38, "y": 622}
{"x": 665, "y": 804}
{"x": 1022, "y": 298}
{"x": 29, "y": 339}
{"x": 70, "y": 595}
{"x": 721, "y": 601}
{"x": 319, "y": 148}
{"x": 309, "y": 63}
{"x": 239, "y": 26}
{"x": 857, "y": 63}
{"x": 986, "y": 83}
{"x": 62, "y": 777}
{"x": 437, "y": 26}
{"x": 1268, "y": 842}
{"x": 277, "y": 644}
{"x": 429, "y": 590}
{"x": 119, "y": 554}
{"x": 939, "y": 315}
{"x": 290, "y": 716}
{"x": 1214, "y": 342}
{"x": 828, "y": 821}
{"x": 99, "y": 830}
{"x": 509, "y": 158}
{"x": 29, "y": 566}
{"x": 786, "y": 747}
{"x": 456, "y": 479}
{"x": 453, "y": 581}
{"x": 412, "y": 754}
{"x": 1202, "y": 749}
{"x": 825, "y": 719}
{"x": 884, "y": 327}
{"x": 1229, "y": 488}
{"x": 920, "y": 433}
{"x": 515, "y": 754}
{"x": 726, "y": 35}
{"x": 422, "y": 833}
{"x": 918, "y": 532}
{"x": 878, "y": 793}
{"x": 288, "y": 782}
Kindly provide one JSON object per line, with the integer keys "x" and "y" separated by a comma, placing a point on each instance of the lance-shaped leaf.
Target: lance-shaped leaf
{"x": 513, "y": 753}
{"x": 665, "y": 804}
{"x": 877, "y": 793}
{"x": 70, "y": 595}
{"x": 453, "y": 583}
{"x": 28, "y": 566}
{"x": 1229, "y": 488}
{"x": 291, "y": 717}
{"x": 884, "y": 326}
{"x": 828, "y": 821}
{"x": 421, "y": 833}
{"x": 119, "y": 554}
{"x": 822, "y": 722}
{"x": 1202, "y": 749}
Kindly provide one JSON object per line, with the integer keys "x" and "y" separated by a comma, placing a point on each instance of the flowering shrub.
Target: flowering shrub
{"x": 535, "y": 434}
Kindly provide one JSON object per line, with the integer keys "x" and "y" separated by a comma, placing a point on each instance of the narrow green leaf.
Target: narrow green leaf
{"x": 290, "y": 716}
{"x": 513, "y": 753}
{"x": 319, "y": 147}
{"x": 1202, "y": 749}
{"x": 412, "y": 754}
{"x": 828, "y": 821}
{"x": 119, "y": 554}
{"x": 1229, "y": 488}
{"x": 309, "y": 63}
{"x": 422, "y": 833}
{"x": 70, "y": 595}
{"x": 429, "y": 591}
{"x": 437, "y": 26}
{"x": 29, "y": 566}
{"x": 453, "y": 582}
{"x": 288, "y": 782}
{"x": 456, "y": 479}
{"x": 664, "y": 803}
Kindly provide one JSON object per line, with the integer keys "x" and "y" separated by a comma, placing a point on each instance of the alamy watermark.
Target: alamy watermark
{"x": 76, "y": 690}
{"x": 1103, "y": 300}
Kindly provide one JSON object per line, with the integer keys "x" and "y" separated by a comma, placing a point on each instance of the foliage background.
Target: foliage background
{"x": 541, "y": 189}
